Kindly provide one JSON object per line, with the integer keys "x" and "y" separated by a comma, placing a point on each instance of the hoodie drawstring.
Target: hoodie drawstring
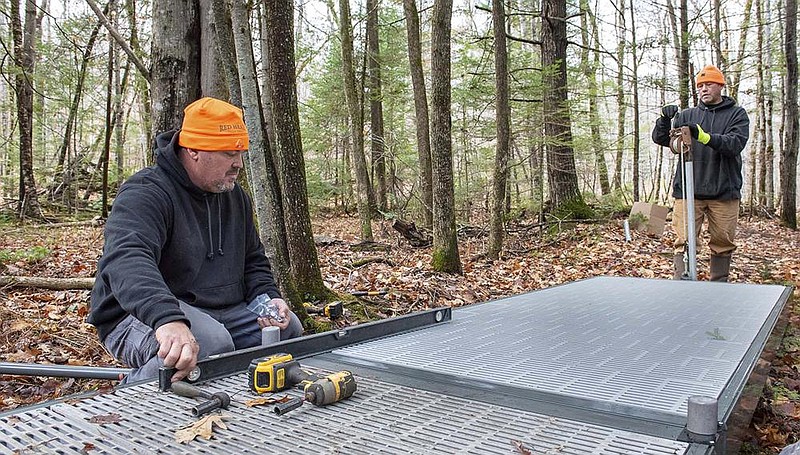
{"x": 210, "y": 254}
{"x": 219, "y": 219}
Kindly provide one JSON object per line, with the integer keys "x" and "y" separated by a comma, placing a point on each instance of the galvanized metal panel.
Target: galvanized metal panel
{"x": 647, "y": 344}
{"x": 380, "y": 418}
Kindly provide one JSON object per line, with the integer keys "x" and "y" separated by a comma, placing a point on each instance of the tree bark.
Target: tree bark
{"x": 769, "y": 111}
{"x": 420, "y": 109}
{"x": 588, "y": 19}
{"x": 683, "y": 60}
{"x": 264, "y": 181}
{"x": 503, "y": 125}
{"x": 213, "y": 76}
{"x": 563, "y": 179}
{"x": 109, "y": 126}
{"x": 789, "y": 153}
{"x": 760, "y": 124}
{"x": 635, "y": 83}
{"x": 376, "y": 105}
{"x": 175, "y": 61}
{"x": 25, "y": 56}
{"x": 354, "y": 120}
{"x": 621, "y": 105}
{"x": 221, "y": 29}
{"x": 289, "y": 149}
{"x": 445, "y": 256}
{"x": 56, "y": 284}
{"x": 735, "y": 74}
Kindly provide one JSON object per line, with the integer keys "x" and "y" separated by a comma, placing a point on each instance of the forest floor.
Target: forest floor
{"x": 46, "y": 326}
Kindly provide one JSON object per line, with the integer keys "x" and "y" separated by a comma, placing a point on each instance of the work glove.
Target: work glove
{"x": 669, "y": 111}
{"x": 698, "y": 133}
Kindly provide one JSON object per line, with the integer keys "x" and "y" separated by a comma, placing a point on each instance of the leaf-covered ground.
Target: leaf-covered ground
{"x": 48, "y": 326}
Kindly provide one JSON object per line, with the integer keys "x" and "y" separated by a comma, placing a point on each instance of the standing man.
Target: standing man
{"x": 720, "y": 129}
{"x": 182, "y": 256}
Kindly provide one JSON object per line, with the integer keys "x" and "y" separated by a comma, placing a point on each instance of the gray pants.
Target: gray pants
{"x": 216, "y": 331}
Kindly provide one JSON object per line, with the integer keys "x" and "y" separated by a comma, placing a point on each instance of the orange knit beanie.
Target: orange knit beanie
{"x": 710, "y": 74}
{"x": 212, "y": 125}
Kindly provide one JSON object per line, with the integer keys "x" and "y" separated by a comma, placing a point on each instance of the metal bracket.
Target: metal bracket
{"x": 229, "y": 363}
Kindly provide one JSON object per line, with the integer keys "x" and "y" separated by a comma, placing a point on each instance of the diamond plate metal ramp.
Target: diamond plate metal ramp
{"x": 601, "y": 366}
{"x": 380, "y": 418}
{"x": 626, "y": 352}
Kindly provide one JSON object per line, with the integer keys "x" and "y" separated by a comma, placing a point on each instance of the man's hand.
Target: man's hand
{"x": 283, "y": 310}
{"x": 698, "y": 133}
{"x": 178, "y": 348}
{"x": 669, "y": 111}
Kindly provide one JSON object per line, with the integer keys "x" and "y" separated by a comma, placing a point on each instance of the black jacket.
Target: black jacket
{"x": 718, "y": 165}
{"x": 167, "y": 240}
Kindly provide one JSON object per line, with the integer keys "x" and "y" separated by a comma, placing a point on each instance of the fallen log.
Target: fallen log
{"x": 56, "y": 284}
{"x": 409, "y": 230}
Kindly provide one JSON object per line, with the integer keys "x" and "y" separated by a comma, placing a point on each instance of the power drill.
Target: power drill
{"x": 321, "y": 391}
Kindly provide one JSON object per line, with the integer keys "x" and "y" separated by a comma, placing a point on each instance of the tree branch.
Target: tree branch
{"x": 122, "y": 43}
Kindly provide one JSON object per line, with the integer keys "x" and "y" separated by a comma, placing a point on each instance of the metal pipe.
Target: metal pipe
{"x": 63, "y": 371}
{"x": 691, "y": 235}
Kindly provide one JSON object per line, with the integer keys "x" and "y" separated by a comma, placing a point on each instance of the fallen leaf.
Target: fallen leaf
{"x": 266, "y": 400}
{"x": 103, "y": 419}
{"x": 203, "y": 428}
{"x": 521, "y": 449}
{"x": 87, "y": 446}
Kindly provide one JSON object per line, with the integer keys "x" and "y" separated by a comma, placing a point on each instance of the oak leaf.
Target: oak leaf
{"x": 203, "y": 428}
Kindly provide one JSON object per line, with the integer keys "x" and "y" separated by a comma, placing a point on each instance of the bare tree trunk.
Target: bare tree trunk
{"x": 141, "y": 83}
{"x": 621, "y": 106}
{"x": 175, "y": 62}
{"x": 735, "y": 74}
{"x": 445, "y": 256}
{"x": 376, "y": 105}
{"x": 109, "y": 127}
{"x": 219, "y": 25}
{"x": 789, "y": 153}
{"x": 420, "y": 109}
{"x": 503, "y": 124}
{"x": 769, "y": 155}
{"x": 760, "y": 125}
{"x": 289, "y": 149}
{"x": 264, "y": 181}
{"x": 25, "y": 56}
{"x": 356, "y": 126}
{"x": 213, "y": 75}
{"x": 683, "y": 60}
{"x": 635, "y": 82}
{"x": 590, "y": 72}
{"x": 561, "y": 172}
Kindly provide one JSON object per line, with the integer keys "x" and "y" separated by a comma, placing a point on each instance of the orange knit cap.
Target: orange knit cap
{"x": 710, "y": 74}
{"x": 212, "y": 125}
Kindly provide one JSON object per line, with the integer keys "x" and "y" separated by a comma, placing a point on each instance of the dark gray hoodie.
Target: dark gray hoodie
{"x": 167, "y": 240}
{"x": 717, "y": 165}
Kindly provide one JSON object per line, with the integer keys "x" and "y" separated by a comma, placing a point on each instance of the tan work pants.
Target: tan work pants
{"x": 722, "y": 217}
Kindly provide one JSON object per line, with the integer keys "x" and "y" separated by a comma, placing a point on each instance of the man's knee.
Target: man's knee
{"x": 212, "y": 341}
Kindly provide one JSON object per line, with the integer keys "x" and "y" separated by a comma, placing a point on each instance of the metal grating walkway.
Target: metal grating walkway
{"x": 601, "y": 366}
{"x": 380, "y": 418}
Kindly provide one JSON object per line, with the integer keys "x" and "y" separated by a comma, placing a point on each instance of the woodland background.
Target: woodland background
{"x": 502, "y": 121}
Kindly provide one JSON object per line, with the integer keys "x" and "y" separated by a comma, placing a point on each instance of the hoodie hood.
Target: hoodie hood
{"x": 726, "y": 102}
{"x": 167, "y": 159}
